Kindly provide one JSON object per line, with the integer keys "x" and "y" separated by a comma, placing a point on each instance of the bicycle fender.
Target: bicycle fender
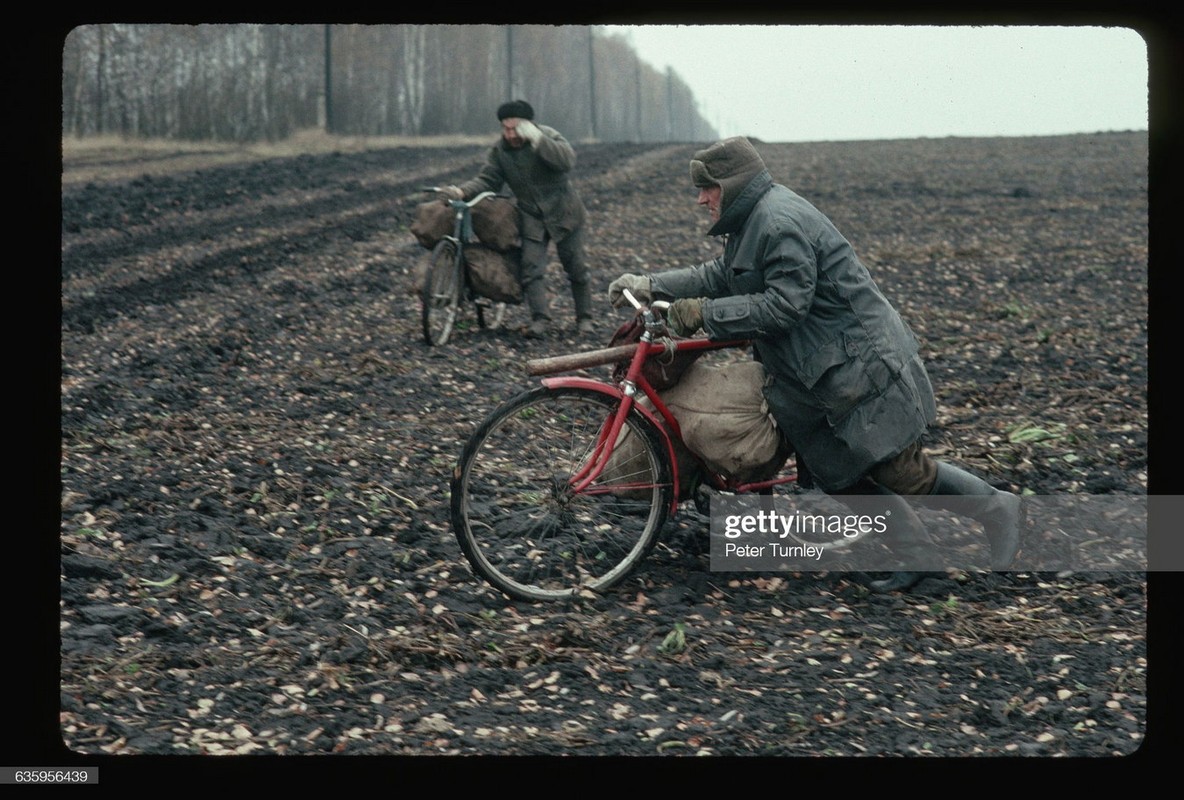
{"x": 572, "y": 381}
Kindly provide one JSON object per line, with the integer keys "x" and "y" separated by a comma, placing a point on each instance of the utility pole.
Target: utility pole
{"x": 669, "y": 103}
{"x": 637, "y": 85}
{"x": 591, "y": 83}
{"x": 328, "y": 79}
{"x": 510, "y": 62}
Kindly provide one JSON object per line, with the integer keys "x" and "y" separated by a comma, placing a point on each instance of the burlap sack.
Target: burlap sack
{"x": 433, "y": 221}
{"x": 418, "y": 274}
{"x": 495, "y": 275}
{"x": 495, "y": 224}
{"x": 725, "y": 420}
{"x": 628, "y": 459}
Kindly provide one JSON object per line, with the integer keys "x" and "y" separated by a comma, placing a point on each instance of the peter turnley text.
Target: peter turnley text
{"x": 772, "y": 550}
{"x": 771, "y": 522}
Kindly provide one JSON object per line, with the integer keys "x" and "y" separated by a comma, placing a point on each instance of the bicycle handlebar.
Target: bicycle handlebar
{"x": 656, "y": 341}
{"x": 656, "y": 305}
{"x": 655, "y": 323}
{"x": 470, "y": 203}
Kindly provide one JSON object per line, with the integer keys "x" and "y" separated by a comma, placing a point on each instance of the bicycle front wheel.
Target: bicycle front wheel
{"x": 522, "y": 524}
{"x": 441, "y": 293}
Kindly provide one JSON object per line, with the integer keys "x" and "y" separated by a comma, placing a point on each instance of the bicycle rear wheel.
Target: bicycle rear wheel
{"x": 520, "y": 523}
{"x": 441, "y": 293}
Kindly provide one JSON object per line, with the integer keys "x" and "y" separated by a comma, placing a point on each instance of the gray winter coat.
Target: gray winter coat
{"x": 538, "y": 176}
{"x": 847, "y": 386}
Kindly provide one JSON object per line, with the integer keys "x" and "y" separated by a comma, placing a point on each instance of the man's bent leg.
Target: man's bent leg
{"x": 912, "y": 472}
{"x": 906, "y": 537}
{"x": 1000, "y": 513}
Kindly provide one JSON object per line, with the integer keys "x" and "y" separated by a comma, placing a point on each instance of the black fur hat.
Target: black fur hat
{"x": 515, "y": 108}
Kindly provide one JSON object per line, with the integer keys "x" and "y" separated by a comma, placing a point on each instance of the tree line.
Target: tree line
{"x": 245, "y": 82}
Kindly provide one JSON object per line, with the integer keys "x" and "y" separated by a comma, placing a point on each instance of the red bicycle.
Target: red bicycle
{"x": 564, "y": 488}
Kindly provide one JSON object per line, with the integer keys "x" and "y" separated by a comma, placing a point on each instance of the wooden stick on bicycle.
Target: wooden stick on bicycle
{"x": 592, "y": 358}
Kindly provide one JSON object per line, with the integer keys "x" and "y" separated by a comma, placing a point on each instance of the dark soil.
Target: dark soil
{"x": 256, "y": 555}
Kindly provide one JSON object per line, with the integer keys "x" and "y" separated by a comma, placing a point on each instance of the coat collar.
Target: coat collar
{"x": 732, "y": 218}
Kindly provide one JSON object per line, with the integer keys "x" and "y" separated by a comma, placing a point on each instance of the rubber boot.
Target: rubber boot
{"x": 999, "y": 512}
{"x": 539, "y": 306}
{"x": 911, "y": 542}
{"x": 907, "y": 538}
{"x": 581, "y": 294}
{"x": 899, "y": 581}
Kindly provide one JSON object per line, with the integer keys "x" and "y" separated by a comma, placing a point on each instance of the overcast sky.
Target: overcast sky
{"x": 790, "y": 83}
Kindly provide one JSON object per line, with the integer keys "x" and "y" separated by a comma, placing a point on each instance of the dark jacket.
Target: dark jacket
{"x": 847, "y": 386}
{"x": 538, "y": 177}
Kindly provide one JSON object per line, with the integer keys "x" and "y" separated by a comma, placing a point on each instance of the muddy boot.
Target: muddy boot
{"x": 899, "y": 581}
{"x": 999, "y": 512}
{"x": 907, "y": 538}
{"x": 911, "y": 543}
{"x": 537, "y": 302}
{"x": 581, "y": 294}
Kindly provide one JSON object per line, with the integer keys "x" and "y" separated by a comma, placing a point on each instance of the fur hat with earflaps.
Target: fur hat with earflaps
{"x": 515, "y": 108}
{"x": 730, "y": 164}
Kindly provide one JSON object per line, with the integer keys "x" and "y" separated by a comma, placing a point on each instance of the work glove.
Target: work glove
{"x": 685, "y": 316}
{"x": 453, "y": 193}
{"x": 638, "y": 285}
{"x": 528, "y": 131}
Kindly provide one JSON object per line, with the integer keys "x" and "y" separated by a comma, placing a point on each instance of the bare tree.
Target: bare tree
{"x": 250, "y": 82}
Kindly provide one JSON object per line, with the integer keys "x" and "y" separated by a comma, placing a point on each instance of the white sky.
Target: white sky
{"x": 793, "y": 83}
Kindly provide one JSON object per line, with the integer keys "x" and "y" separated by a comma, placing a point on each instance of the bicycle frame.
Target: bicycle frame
{"x": 626, "y": 395}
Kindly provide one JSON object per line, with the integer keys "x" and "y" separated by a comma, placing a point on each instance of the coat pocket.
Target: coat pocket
{"x": 847, "y": 376}
{"x": 824, "y": 358}
{"x": 533, "y": 228}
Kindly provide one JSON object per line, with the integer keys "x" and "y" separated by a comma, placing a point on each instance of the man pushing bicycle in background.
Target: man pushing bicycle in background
{"x": 535, "y": 162}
